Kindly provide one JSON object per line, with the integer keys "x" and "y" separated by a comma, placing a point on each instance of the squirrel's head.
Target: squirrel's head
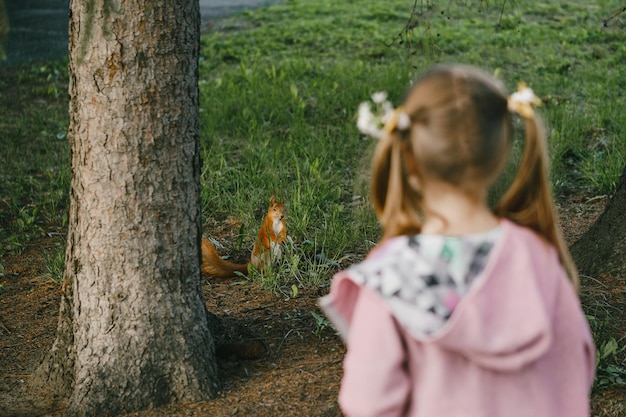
{"x": 277, "y": 209}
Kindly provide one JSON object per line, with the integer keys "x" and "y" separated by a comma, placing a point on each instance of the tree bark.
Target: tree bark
{"x": 133, "y": 330}
{"x": 602, "y": 249}
{"x": 4, "y": 29}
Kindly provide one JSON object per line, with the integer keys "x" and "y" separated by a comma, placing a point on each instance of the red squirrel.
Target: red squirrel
{"x": 267, "y": 247}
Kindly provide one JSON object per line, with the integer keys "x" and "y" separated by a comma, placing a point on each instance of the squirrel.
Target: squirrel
{"x": 267, "y": 248}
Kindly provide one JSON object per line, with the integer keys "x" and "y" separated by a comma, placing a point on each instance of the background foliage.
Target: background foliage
{"x": 280, "y": 87}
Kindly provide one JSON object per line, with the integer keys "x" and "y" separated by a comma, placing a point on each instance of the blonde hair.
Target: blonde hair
{"x": 461, "y": 133}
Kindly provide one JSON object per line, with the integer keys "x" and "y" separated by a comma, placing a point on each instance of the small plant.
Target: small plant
{"x": 55, "y": 261}
{"x": 603, "y": 169}
{"x": 26, "y": 218}
{"x": 610, "y": 352}
{"x": 610, "y": 363}
{"x": 321, "y": 324}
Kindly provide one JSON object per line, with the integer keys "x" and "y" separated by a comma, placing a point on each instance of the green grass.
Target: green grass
{"x": 280, "y": 87}
{"x": 279, "y": 91}
{"x": 34, "y": 162}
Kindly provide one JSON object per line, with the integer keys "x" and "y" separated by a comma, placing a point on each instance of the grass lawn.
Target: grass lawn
{"x": 280, "y": 87}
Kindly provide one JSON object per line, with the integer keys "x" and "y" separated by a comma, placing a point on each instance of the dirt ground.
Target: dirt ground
{"x": 294, "y": 365}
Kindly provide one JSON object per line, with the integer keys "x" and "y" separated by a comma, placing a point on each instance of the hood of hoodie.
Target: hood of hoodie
{"x": 504, "y": 321}
{"x": 501, "y": 323}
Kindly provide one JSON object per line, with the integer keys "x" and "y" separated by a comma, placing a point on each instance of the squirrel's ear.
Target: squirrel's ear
{"x": 273, "y": 199}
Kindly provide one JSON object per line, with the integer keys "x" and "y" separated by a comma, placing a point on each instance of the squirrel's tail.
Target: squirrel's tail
{"x": 213, "y": 265}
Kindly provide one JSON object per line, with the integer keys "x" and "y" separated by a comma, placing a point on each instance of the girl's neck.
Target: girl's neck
{"x": 451, "y": 210}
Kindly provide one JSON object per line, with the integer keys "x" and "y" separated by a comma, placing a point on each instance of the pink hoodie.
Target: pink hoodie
{"x": 517, "y": 344}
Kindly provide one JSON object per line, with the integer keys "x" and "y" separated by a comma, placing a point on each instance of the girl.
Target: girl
{"x": 462, "y": 310}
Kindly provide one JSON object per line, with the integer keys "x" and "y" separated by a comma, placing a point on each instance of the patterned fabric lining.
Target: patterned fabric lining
{"x": 423, "y": 278}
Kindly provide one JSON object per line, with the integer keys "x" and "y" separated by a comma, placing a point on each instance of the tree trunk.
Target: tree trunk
{"x": 602, "y": 249}
{"x": 4, "y": 29}
{"x": 133, "y": 330}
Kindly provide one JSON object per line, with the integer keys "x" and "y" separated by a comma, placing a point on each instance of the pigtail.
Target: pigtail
{"x": 380, "y": 175}
{"x": 396, "y": 203}
{"x": 528, "y": 201}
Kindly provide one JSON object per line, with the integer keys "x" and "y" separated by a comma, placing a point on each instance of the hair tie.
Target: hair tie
{"x": 384, "y": 120}
{"x": 398, "y": 120}
{"x": 523, "y": 101}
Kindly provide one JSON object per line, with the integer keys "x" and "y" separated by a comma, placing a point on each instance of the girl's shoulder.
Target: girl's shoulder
{"x": 422, "y": 278}
{"x": 430, "y": 249}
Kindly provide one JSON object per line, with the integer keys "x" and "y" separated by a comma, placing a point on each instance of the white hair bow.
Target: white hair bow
{"x": 523, "y": 101}
{"x": 383, "y": 120}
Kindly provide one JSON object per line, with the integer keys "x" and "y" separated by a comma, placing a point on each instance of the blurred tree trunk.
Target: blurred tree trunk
{"x": 4, "y": 29}
{"x": 133, "y": 330}
{"x": 602, "y": 249}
